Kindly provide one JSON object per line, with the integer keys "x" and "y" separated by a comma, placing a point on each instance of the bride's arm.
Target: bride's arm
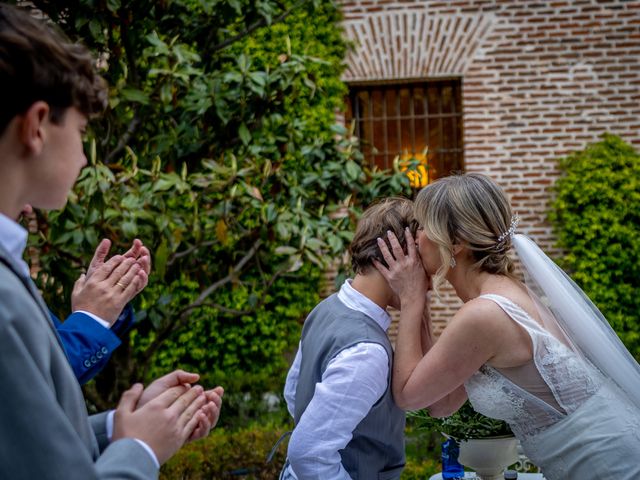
{"x": 449, "y": 404}
{"x": 454, "y": 400}
{"x": 420, "y": 380}
{"x": 426, "y": 331}
{"x": 467, "y": 343}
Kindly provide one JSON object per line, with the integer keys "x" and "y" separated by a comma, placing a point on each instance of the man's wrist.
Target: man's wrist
{"x": 109, "y": 420}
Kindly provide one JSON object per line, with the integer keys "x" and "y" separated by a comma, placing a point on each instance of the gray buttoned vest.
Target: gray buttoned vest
{"x": 376, "y": 450}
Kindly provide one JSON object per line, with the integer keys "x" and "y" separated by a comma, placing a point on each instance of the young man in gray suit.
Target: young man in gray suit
{"x": 48, "y": 89}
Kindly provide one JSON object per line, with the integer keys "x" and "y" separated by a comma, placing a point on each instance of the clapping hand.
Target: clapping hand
{"x": 137, "y": 252}
{"x": 164, "y": 423}
{"x": 109, "y": 285}
{"x": 208, "y": 414}
{"x": 168, "y": 413}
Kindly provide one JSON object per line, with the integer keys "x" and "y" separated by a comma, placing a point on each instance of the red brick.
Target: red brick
{"x": 553, "y": 76}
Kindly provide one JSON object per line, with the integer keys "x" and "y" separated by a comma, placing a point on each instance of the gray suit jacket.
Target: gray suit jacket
{"x": 45, "y": 431}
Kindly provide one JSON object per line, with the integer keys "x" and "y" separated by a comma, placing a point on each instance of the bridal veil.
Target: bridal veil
{"x": 569, "y": 314}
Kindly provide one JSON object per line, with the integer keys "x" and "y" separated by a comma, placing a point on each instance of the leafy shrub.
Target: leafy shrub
{"x": 596, "y": 217}
{"x": 421, "y": 469}
{"x": 247, "y": 354}
{"x": 220, "y": 151}
{"x": 241, "y": 453}
{"x": 216, "y": 340}
{"x": 464, "y": 424}
{"x": 229, "y": 455}
{"x": 422, "y": 449}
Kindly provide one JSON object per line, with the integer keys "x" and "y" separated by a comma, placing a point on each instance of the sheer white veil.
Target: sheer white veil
{"x": 570, "y": 313}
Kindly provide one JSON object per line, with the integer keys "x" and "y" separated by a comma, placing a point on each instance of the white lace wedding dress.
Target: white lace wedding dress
{"x": 572, "y": 421}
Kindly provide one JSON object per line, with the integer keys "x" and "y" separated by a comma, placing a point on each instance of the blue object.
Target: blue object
{"x": 88, "y": 344}
{"x": 451, "y": 468}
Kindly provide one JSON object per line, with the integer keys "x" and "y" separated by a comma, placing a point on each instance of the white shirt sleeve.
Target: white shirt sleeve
{"x": 292, "y": 382}
{"x": 352, "y": 383}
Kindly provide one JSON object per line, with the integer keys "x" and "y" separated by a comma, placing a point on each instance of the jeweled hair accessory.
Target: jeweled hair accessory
{"x": 509, "y": 233}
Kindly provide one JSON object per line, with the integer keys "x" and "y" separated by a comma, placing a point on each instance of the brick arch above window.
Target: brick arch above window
{"x": 413, "y": 44}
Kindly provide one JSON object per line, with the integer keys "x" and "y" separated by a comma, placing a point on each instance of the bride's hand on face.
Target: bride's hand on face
{"x": 405, "y": 273}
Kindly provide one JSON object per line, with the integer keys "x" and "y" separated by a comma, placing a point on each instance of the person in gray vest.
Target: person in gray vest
{"x": 347, "y": 425}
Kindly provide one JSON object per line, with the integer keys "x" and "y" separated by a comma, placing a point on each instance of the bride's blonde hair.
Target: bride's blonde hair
{"x": 469, "y": 209}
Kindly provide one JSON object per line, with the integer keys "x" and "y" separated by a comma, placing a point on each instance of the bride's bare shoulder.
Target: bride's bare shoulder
{"x": 480, "y": 312}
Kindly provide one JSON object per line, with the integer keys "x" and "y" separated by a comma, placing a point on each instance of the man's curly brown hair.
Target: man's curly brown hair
{"x": 394, "y": 214}
{"x": 38, "y": 63}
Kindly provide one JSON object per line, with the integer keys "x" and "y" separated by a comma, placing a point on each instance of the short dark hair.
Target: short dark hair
{"x": 38, "y": 63}
{"x": 394, "y": 214}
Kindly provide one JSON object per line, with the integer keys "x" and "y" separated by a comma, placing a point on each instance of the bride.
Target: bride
{"x": 537, "y": 355}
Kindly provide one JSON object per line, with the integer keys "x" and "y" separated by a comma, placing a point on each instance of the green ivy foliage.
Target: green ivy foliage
{"x": 229, "y": 455}
{"x": 220, "y": 151}
{"x": 244, "y": 353}
{"x": 242, "y": 453}
{"x": 217, "y": 341}
{"x": 596, "y": 217}
{"x": 315, "y": 34}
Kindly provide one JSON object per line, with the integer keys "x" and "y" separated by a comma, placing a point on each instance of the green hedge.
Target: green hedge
{"x": 422, "y": 448}
{"x": 251, "y": 343}
{"x": 246, "y": 354}
{"x": 228, "y": 163}
{"x": 229, "y": 455}
{"x": 596, "y": 217}
{"x": 242, "y": 453}
{"x": 220, "y": 150}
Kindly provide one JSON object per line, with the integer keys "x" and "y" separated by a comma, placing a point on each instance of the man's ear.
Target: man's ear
{"x": 32, "y": 132}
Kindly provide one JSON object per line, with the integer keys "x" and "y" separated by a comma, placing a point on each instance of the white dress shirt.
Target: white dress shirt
{"x": 13, "y": 238}
{"x": 352, "y": 383}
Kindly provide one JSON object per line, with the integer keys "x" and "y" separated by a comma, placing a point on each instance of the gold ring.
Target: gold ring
{"x": 121, "y": 285}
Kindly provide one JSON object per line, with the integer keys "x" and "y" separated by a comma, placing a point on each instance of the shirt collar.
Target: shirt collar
{"x": 13, "y": 238}
{"x": 355, "y": 300}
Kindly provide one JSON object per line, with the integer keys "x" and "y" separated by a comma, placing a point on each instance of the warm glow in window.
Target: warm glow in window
{"x": 410, "y": 122}
{"x": 416, "y": 167}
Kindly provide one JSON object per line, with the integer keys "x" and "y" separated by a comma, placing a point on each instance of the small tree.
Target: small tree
{"x": 596, "y": 216}
{"x": 220, "y": 151}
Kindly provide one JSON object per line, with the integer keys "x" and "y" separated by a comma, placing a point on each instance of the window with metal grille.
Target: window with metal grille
{"x": 420, "y": 121}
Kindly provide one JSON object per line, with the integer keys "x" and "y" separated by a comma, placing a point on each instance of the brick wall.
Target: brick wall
{"x": 540, "y": 79}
